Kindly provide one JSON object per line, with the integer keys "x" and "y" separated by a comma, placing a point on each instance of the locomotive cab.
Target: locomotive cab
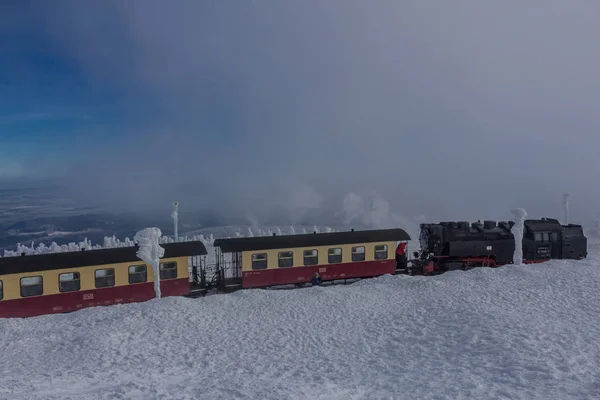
{"x": 542, "y": 240}
{"x": 546, "y": 239}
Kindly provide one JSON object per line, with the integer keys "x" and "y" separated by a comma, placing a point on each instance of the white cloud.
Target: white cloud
{"x": 471, "y": 106}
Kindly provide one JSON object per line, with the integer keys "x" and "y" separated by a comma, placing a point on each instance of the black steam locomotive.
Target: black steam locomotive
{"x": 448, "y": 246}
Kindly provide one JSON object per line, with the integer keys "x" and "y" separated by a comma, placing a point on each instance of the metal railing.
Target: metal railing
{"x": 219, "y": 275}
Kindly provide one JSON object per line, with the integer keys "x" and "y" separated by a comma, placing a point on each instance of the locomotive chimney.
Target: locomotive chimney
{"x": 566, "y": 207}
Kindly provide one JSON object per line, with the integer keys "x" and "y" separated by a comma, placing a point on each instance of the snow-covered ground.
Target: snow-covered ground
{"x": 510, "y": 333}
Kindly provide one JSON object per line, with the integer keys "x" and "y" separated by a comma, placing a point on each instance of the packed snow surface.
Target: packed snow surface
{"x": 515, "y": 332}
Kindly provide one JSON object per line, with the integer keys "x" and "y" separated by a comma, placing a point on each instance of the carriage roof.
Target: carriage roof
{"x": 74, "y": 259}
{"x": 543, "y": 224}
{"x": 232, "y": 245}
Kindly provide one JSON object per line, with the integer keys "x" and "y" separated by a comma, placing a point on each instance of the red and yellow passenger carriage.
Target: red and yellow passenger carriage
{"x": 33, "y": 285}
{"x": 294, "y": 259}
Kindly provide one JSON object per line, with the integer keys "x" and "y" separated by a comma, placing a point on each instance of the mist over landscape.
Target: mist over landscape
{"x": 136, "y": 134}
{"x": 340, "y": 113}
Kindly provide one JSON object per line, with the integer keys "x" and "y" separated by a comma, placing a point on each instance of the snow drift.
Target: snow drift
{"x": 516, "y": 332}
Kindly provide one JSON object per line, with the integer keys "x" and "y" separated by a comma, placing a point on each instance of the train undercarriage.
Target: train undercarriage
{"x": 435, "y": 265}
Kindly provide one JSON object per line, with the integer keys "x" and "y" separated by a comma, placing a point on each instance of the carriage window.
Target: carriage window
{"x": 259, "y": 261}
{"x": 69, "y": 282}
{"x": 358, "y": 254}
{"x": 381, "y": 252}
{"x": 168, "y": 270}
{"x": 542, "y": 236}
{"x": 32, "y": 286}
{"x": 286, "y": 259}
{"x": 105, "y": 278}
{"x": 1, "y": 291}
{"x": 334, "y": 256}
{"x": 311, "y": 257}
{"x": 138, "y": 274}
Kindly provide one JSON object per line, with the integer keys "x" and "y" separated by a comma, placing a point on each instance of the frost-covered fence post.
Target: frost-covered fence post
{"x": 566, "y": 207}
{"x": 517, "y": 230}
{"x": 175, "y": 215}
{"x": 150, "y": 252}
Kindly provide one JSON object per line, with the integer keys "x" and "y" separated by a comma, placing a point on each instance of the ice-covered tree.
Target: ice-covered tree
{"x": 150, "y": 252}
{"x": 517, "y": 230}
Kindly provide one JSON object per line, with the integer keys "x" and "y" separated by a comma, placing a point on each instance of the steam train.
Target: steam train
{"x": 448, "y": 246}
{"x": 33, "y": 285}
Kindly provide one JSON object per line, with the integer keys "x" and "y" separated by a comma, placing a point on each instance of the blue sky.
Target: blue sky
{"x": 57, "y": 101}
{"x": 246, "y": 104}
{"x": 48, "y": 103}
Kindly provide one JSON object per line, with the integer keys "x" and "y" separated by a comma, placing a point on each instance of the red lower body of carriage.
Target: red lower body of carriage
{"x": 72, "y": 301}
{"x": 327, "y": 272}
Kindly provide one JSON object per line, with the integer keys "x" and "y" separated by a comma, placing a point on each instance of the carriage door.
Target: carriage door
{"x": 236, "y": 270}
